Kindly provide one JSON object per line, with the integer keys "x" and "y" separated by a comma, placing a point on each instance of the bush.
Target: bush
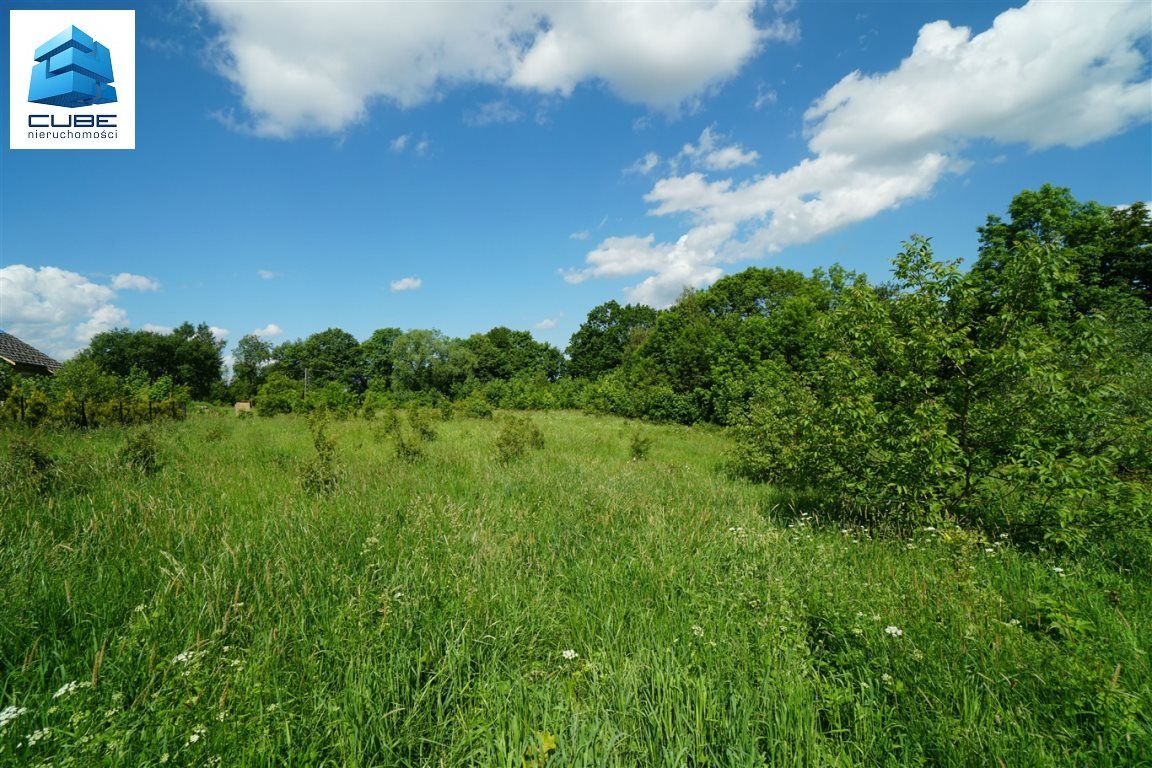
{"x": 994, "y": 405}
{"x": 321, "y": 473}
{"x": 517, "y": 435}
{"x": 420, "y": 421}
{"x": 141, "y": 452}
{"x": 640, "y": 445}
{"x": 409, "y": 447}
{"x": 474, "y": 406}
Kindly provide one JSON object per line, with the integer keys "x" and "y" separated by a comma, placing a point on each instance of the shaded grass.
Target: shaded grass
{"x": 417, "y": 613}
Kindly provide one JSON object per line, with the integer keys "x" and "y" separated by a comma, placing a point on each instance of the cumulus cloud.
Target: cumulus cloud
{"x": 399, "y": 143}
{"x": 220, "y": 334}
{"x": 126, "y": 281}
{"x": 317, "y": 67}
{"x": 406, "y": 284}
{"x": 1044, "y": 75}
{"x": 56, "y": 310}
{"x": 268, "y": 331}
{"x": 546, "y": 324}
{"x": 154, "y": 328}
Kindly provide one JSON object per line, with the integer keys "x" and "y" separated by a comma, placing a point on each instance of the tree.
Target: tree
{"x": 376, "y": 355}
{"x": 330, "y": 355}
{"x": 608, "y": 338}
{"x": 1109, "y": 248}
{"x": 191, "y": 355}
{"x": 504, "y": 354}
{"x": 250, "y": 360}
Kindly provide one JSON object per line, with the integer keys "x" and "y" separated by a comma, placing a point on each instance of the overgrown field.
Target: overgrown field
{"x": 247, "y": 603}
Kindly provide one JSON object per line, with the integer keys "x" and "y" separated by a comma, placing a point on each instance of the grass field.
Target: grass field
{"x": 570, "y": 608}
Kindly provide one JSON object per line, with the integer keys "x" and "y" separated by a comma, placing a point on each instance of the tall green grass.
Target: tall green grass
{"x": 218, "y": 611}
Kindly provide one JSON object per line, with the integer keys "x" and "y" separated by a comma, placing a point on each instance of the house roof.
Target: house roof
{"x": 16, "y": 352}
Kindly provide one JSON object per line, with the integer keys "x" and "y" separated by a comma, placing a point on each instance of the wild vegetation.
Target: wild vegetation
{"x": 251, "y": 602}
{"x": 903, "y": 523}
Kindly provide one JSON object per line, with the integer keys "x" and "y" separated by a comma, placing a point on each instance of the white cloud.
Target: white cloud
{"x": 220, "y": 334}
{"x": 581, "y": 235}
{"x": 55, "y": 310}
{"x": 422, "y": 147}
{"x": 1043, "y": 75}
{"x": 546, "y": 324}
{"x": 406, "y": 284}
{"x": 644, "y": 165}
{"x": 317, "y": 67}
{"x": 268, "y": 331}
{"x": 399, "y": 143}
{"x": 710, "y": 152}
{"x": 153, "y": 328}
{"x": 267, "y": 274}
{"x": 492, "y": 112}
{"x": 126, "y": 281}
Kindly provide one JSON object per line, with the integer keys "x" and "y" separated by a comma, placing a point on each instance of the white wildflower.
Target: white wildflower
{"x": 989, "y": 550}
{"x": 894, "y": 631}
{"x": 1058, "y": 569}
{"x": 886, "y": 678}
{"x": 197, "y": 733}
{"x": 71, "y": 687}
{"x": 569, "y": 654}
{"x": 37, "y": 736}
{"x": 139, "y": 609}
{"x": 698, "y": 630}
{"x": 8, "y": 714}
{"x": 186, "y": 657}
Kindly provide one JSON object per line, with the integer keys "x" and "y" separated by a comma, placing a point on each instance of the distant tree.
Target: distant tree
{"x": 279, "y": 394}
{"x": 608, "y": 337}
{"x": 414, "y": 355}
{"x": 191, "y": 355}
{"x": 376, "y": 355}
{"x": 250, "y": 359}
{"x": 330, "y": 355}
{"x": 503, "y": 354}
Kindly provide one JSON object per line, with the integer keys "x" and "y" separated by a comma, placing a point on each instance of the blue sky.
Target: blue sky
{"x": 522, "y": 164}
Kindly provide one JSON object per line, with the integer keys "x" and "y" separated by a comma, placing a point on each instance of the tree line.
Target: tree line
{"x": 1018, "y": 391}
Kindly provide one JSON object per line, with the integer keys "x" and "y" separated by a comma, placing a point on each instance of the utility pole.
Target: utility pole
{"x": 305, "y": 383}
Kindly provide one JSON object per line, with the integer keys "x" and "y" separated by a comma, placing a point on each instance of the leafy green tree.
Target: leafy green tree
{"x": 608, "y": 338}
{"x": 279, "y": 394}
{"x": 417, "y": 357}
{"x": 330, "y": 355}
{"x": 503, "y": 354}
{"x": 250, "y": 360}
{"x": 376, "y": 354}
{"x": 1109, "y": 248}
{"x": 191, "y": 355}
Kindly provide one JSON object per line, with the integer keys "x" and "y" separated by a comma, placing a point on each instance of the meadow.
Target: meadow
{"x": 589, "y": 603}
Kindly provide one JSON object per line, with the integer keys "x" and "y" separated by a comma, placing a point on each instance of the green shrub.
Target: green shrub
{"x": 321, "y": 473}
{"x": 639, "y": 445}
{"x": 517, "y": 435}
{"x": 141, "y": 452}
{"x": 409, "y": 447}
{"x": 420, "y": 422}
{"x": 950, "y": 398}
{"x": 474, "y": 406}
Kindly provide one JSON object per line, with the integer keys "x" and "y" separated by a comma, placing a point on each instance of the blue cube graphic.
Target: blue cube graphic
{"x": 73, "y": 70}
